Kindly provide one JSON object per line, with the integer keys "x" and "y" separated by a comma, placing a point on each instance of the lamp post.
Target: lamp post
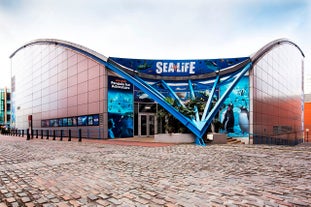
{"x": 307, "y": 131}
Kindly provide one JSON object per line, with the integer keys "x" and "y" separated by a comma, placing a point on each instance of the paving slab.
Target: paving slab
{"x": 41, "y": 172}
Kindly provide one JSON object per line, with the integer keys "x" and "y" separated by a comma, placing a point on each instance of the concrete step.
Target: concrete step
{"x": 231, "y": 140}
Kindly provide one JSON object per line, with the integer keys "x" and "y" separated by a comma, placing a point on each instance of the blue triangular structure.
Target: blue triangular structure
{"x": 218, "y": 75}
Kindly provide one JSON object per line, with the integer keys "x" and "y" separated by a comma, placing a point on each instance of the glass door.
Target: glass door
{"x": 146, "y": 125}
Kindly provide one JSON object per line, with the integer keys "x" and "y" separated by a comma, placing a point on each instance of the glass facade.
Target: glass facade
{"x": 51, "y": 82}
{"x": 277, "y": 96}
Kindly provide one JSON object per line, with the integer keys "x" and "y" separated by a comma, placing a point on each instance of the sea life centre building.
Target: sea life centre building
{"x": 58, "y": 86}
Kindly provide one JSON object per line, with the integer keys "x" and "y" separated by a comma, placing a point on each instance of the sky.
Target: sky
{"x": 156, "y": 29}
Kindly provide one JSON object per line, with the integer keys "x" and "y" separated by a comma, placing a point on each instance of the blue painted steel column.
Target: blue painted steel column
{"x": 210, "y": 98}
{"x": 197, "y": 118}
{"x": 191, "y": 89}
{"x": 172, "y": 93}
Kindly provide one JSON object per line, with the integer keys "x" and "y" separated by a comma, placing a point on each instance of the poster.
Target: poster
{"x": 235, "y": 113}
{"x": 120, "y": 108}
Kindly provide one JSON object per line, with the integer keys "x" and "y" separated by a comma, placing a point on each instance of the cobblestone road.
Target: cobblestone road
{"x": 54, "y": 173}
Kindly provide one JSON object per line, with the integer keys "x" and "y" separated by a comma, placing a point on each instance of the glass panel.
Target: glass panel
{"x": 151, "y": 125}
{"x": 136, "y": 119}
{"x": 143, "y": 125}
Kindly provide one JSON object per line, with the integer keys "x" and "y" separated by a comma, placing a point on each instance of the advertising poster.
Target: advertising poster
{"x": 120, "y": 108}
{"x": 235, "y": 113}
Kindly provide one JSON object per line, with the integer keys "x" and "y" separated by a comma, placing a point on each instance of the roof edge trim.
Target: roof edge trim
{"x": 268, "y": 47}
{"x": 64, "y": 44}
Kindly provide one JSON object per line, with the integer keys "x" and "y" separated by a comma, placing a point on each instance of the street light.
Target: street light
{"x": 307, "y": 130}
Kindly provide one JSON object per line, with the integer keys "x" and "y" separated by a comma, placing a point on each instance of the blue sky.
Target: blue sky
{"x": 156, "y": 29}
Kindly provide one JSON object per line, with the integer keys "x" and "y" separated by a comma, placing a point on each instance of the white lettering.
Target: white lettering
{"x": 186, "y": 67}
{"x": 192, "y": 67}
{"x": 159, "y": 67}
{"x": 164, "y": 67}
{"x": 179, "y": 67}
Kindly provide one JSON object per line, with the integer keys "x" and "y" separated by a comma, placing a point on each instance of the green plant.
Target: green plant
{"x": 189, "y": 109}
{"x": 171, "y": 124}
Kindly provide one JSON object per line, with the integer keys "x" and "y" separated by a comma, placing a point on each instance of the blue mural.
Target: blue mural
{"x": 177, "y": 67}
{"x": 120, "y": 108}
{"x": 235, "y": 113}
{"x": 205, "y": 79}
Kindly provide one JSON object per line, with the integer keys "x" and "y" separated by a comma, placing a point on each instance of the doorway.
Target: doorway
{"x": 146, "y": 124}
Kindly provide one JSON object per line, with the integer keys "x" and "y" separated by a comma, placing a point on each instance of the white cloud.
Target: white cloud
{"x": 152, "y": 29}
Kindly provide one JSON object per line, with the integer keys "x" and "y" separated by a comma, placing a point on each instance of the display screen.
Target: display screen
{"x": 82, "y": 120}
{"x": 85, "y": 120}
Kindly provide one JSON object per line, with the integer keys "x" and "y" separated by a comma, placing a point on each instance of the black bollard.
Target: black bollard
{"x": 61, "y": 135}
{"x": 80, "y": 135}
{"x": 28, "y": 135}
{"x": 31, "y": 133}
{"x": 69, "y": 134}
{"x": 22, "y": 133}
{"x": 41, "y": 133}
{"x": 47, "y": 134}
{"x": 37, "y": 133}
{"x": 54, "y": 135}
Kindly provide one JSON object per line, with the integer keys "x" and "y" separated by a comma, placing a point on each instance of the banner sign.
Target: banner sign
{"x": 235, "y": 113}
{"x": 177, "y": 67}
{"x": 120, "y": 108}
{"x": 116, "y": 83}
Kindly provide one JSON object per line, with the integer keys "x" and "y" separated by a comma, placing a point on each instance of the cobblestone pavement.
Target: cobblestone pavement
{"x": 54, "y": 173}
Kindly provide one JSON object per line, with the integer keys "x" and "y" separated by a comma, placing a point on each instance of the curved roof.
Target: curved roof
{"x": 223, "y": 71}
{"x": 271, "y": 45}
{"x": 63, "y": 43}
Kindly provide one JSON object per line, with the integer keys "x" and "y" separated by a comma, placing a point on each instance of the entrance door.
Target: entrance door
{"x": 146, "y": 125}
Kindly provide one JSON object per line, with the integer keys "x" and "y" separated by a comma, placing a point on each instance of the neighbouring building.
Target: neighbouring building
{"x": 5, "y": 108}
{"x": 307, "y": 118}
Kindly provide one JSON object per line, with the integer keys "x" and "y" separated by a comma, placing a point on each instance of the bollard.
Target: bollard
{"x": 80, "y": 135}
{"x": 54, "y": 135}
{"x": 69, "y": 134}
{"x": 31, "y": 133}
{"x": 41, "y": 133}
{"x": 61, "y": 135}
{"x": 22, "y": 133}
{"x": 47, "y": 134}
{"x": 37, "y": 132}
{"x": 28, "y": 135}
